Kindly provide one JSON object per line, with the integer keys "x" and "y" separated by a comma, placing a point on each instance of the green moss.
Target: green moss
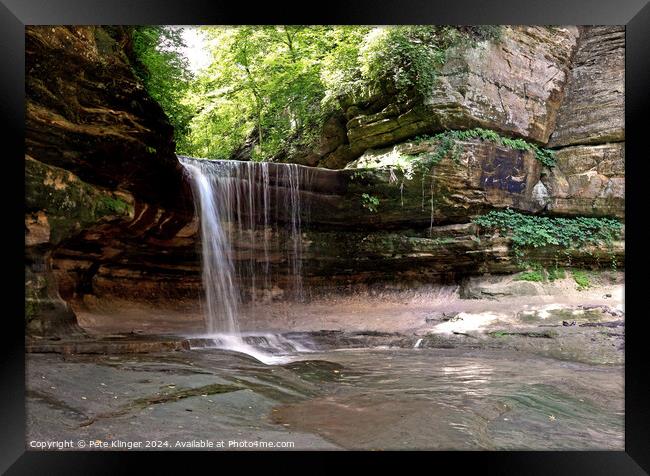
{"x": 555, "y": 274}
{"x": 35, "y": 292}
{"x": 212, "y": 389}
{"x": 69, "y": 203}
{"x": 31, "y": 308}
{"x": 534, "y": 276}
{"x": 112, "y": 206}
{"x": 581, "y": 278}
{"x": 442, "y": 241}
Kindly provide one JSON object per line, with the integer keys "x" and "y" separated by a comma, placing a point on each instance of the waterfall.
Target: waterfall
{"x": 241, "y": 206}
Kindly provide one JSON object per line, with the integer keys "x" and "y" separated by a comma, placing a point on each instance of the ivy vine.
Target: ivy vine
{"x": 448, "y": 146}
{"x": 528, "y": 231}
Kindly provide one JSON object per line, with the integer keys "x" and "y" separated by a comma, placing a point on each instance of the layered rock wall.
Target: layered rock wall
{"x": 110, "y": 213}
{"x": 559, "y": 87}
{"x": 99, "y": 151}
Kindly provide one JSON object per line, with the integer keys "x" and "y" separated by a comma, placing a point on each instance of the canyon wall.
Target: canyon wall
{"x": 100, "y": 167}
{"x": 110, "y": 212}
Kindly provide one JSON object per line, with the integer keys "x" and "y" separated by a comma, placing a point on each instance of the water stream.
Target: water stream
{"x": 251, "y": 216}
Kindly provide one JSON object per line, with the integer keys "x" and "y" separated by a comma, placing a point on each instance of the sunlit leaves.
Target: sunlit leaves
{"x": 165, "y": 72}
{"x": 270, "y": 88}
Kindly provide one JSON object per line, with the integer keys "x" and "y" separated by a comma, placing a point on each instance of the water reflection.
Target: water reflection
{"x": 466, "y": 402}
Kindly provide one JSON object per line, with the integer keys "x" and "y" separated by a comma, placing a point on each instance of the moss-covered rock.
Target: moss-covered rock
{"x": 513, "y": 84}
{"x": 60, "y": 202}
{"x": 97, "y": 147}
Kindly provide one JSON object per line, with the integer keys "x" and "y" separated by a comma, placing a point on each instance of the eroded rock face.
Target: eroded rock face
{"x": 588, "y": 180}
{"x": 514, "y": 86}
{"x": 484, "y": 176}
{"x": 99, "y": 152}
{"x": 442, "y": 254}
{"x": 593, "y": 111}
{"x": 86, "y": 112}
{"x": 151, "y": 259}
{"x": 58, "y": 205}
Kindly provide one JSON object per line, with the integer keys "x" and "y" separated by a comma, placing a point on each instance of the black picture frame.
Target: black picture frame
{"x": 634, "y": 14}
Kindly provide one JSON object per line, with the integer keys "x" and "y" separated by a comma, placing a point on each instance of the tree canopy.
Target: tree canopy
{"x": 165, "y": 73}
{"x": 269, "y": 88}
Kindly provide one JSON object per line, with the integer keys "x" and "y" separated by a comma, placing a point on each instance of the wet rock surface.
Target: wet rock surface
{"x": 106, "y": 345}
{"x": 405, "y": 370}
{"x": 364, "y": 399}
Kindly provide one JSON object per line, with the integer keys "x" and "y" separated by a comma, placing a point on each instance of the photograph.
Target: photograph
{"x": 324, "y": 237}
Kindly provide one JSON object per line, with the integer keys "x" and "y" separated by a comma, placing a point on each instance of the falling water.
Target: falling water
{"x": 432, "y": 204}
{"x": 235, "y": 201}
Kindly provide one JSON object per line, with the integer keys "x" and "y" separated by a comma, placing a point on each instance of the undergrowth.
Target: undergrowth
{"x": 448, "y": 146}
{"x": 528, "y": 231}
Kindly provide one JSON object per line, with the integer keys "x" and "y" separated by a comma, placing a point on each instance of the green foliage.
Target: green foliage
{"x": 263, "y": 88}
{"x": 538, "y": 274}
{"x": 404, "y": 58}
{"x": 527, "y": 231}
{"x": 269, "y": 89}
{"x": 535, "y": 231}
{"x": 581, "y": 278}
{"x": 370, "y": 202}
{"x": 448, "y": 145}
{"x": 401, "y": 60}
{"x": 358, "y": 175}
{"x": 535, "y": 276}
{"x": 555, "y": 274}
{"x": 165, "y": 73}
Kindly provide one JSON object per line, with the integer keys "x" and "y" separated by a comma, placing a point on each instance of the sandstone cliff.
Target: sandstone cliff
{"x": 561, "y": 87}
{"x": 110, "y": 214}
{"x": 99, "y": 159}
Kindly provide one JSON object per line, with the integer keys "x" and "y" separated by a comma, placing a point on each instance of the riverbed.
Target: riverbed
{"x": 365, "y": 398}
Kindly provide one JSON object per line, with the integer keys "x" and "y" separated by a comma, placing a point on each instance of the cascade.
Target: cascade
{"x": 251, "y": 217}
